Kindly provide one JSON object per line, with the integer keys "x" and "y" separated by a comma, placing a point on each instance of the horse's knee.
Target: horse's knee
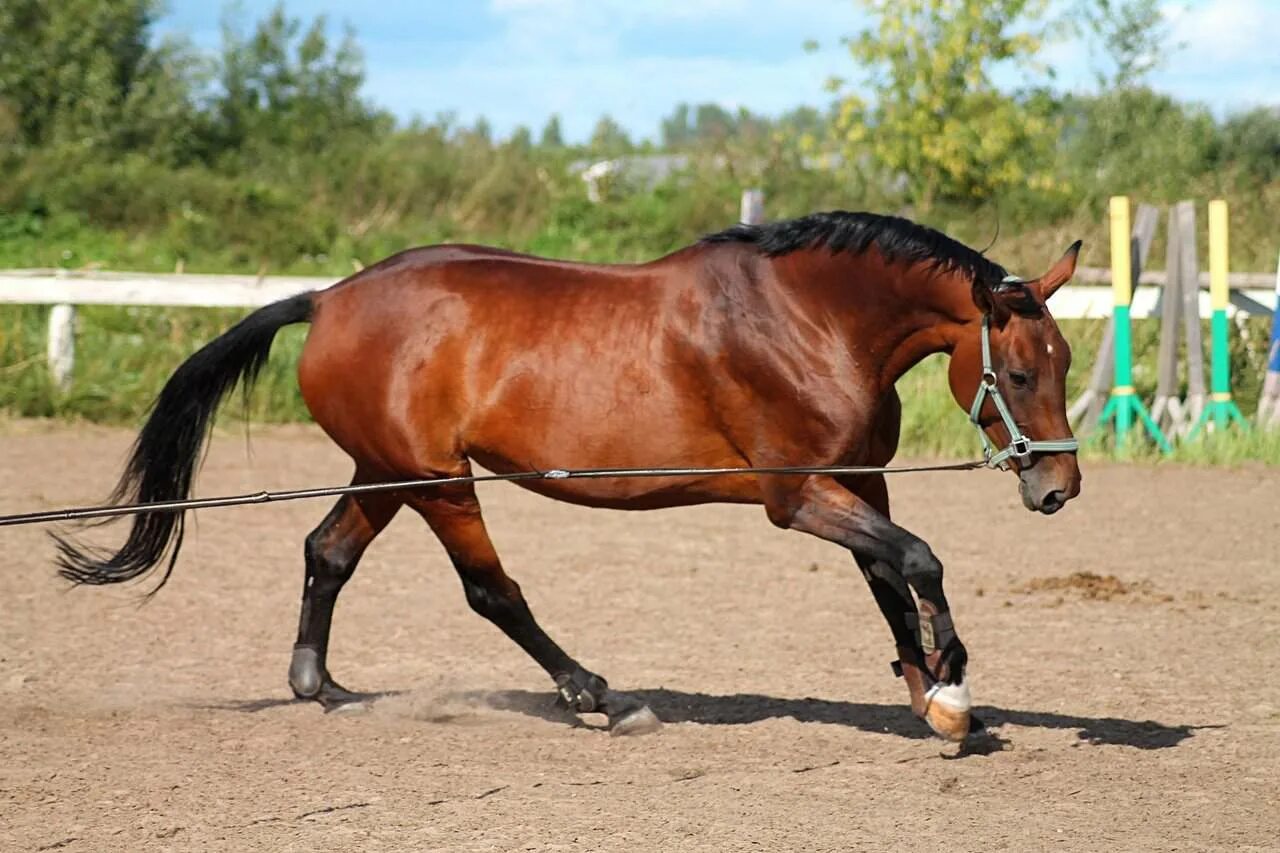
{"x": 329, "y": 564}
{"x": 499, "y": 603}
{"x": 920, "y": 566}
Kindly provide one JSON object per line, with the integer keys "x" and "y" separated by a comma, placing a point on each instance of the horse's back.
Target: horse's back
{"x": 449, "y": 352}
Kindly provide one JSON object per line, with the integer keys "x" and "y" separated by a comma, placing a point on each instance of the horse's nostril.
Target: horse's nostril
{"x": 1053, "y": 501}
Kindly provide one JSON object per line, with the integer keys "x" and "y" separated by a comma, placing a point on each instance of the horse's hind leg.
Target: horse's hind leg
{"x": 455, "y": 518}
{"x": 332, "y": 551}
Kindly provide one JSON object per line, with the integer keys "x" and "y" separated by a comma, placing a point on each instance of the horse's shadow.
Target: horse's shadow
{"x": 678, "y": 706}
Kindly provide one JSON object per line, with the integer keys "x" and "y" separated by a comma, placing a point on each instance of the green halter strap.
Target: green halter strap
{"x": 1020, "y": 446}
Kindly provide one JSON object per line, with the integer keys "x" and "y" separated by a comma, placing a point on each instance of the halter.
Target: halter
{"x": 1020, "y": 446}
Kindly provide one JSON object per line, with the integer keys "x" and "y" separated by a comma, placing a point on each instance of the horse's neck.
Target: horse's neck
{"x": 901, "y": 316}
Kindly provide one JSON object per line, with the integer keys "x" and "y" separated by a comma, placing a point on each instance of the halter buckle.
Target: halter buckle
{"x": 989, "y": 379}
{"x": 1021, "y": 447}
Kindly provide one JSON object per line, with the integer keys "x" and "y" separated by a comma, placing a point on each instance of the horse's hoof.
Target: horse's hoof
{"x": 947, "y": 710}
{"x": 336, "y": 699}
{"x": 641, "y": 721}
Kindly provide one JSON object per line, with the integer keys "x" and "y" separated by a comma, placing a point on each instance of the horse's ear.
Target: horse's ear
{"x": 1059, "y": 274}
{"x": 991, "y": 303}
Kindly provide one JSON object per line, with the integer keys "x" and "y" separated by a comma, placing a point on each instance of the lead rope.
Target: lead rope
{"x": 410, "y": 485}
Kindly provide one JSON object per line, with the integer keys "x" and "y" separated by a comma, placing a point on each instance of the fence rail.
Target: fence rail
{"x": 1087, "y": 297}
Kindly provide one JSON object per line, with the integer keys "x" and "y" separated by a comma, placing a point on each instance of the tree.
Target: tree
{"x": 677, "y": 130}
{"x": 1131, "y": 33}
{"x": 709, "y": 124}
{"x": 552, "y": 137}
{"x": 937, "y": 120}
{"x": 609, "y": 139}
{"x": 481, "y": 131}
{"x": 1135, "y": 139}
{"x": 84, "y": 72}
{"x": 521, "y": 139}
{"x": 1251, "y": 144}
{"x": 713, "y": 124}
{"x": 287, "y": 88}
{"x": 1127, "y": 134}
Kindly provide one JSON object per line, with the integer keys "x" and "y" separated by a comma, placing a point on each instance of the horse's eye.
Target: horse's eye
{"x": 1019, "y": 378}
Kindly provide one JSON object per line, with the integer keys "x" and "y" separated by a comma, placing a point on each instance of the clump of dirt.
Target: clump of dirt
{"x": 1091, "y": 587}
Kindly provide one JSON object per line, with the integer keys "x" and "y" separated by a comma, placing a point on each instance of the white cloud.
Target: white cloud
{"x": 518, "y": 61}
{"x": 1227, "y": 31}
{"x": 1223, "y": 53}
{"x": 1219, "y": 52}
{"x": 632, "y": 60}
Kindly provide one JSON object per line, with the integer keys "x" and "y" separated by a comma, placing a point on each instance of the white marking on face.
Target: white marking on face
{"x": 1049, "y": 349}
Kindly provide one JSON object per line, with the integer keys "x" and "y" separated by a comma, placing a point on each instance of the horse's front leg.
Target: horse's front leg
{"x": 824, "y": 508}
{"x": 915, "y": 663}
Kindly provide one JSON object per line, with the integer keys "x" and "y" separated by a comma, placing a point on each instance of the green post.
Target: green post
{"x": 1221, "y": 408}
{"x": 1124, "y": 406}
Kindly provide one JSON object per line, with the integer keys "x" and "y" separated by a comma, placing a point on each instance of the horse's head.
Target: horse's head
{"x": 1025, "y": 374}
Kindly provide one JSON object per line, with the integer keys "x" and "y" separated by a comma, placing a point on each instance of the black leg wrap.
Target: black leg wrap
{"x": 933, "y": 634}
{"x": 582, "y": 691}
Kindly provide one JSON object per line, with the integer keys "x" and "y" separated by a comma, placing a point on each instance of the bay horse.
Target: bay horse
{"x": 769, "y": 345}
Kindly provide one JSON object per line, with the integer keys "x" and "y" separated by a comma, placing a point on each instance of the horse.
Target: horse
{"x": 759, "y": 346}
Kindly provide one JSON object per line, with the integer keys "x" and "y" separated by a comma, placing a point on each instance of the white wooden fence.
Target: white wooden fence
{"x": 1088, "y": 296}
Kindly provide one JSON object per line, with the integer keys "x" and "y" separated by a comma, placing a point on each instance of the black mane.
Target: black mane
{"x": 897, "y": 239}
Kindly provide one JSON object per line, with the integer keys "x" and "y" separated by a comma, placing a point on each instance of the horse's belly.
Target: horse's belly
{"x": 642, "y": 432}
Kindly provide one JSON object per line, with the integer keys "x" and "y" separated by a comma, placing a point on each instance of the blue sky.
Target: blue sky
{"x": 519, "y": 61}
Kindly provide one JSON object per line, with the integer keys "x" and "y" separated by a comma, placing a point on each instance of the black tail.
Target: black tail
{"x": 162, "y": 464}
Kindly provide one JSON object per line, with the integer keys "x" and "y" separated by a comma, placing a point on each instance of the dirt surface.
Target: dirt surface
{"x": 1147, "y": 719}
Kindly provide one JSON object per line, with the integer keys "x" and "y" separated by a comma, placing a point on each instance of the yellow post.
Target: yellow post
{"x": 1121, "y": 271}
{"x": 1218, "y": 292}
{"x": 1124, "y": 407}
{"x": 1222, "y": 409}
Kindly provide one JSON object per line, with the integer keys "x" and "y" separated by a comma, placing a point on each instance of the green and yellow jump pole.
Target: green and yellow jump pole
{"x": 1124, "y": 407}
{"x": 1221, "y": 408}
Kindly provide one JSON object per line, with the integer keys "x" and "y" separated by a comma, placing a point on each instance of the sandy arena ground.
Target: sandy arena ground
{"x": 1140, "y": 713}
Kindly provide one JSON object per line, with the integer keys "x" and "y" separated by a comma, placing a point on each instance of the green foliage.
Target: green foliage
{"x": 937, "y": 119}
{"x": 286, "y": 88}
{"x": 1134, "y": 141}
{"x": 1249, "y": 145}
{"x": 1133, "y": 35}
{"x": 124, "y": 357}
{"x": 82, "y": 74}
{"x": 282, "y": 166}
{"x": 552, "y": 136}
{"x": 609, "y": 139}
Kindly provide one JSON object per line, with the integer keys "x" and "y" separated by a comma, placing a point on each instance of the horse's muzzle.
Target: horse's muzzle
{"x": 1047, "y": 490}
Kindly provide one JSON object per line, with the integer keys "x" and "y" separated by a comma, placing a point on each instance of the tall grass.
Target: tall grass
{"x": 124, "y": 356}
